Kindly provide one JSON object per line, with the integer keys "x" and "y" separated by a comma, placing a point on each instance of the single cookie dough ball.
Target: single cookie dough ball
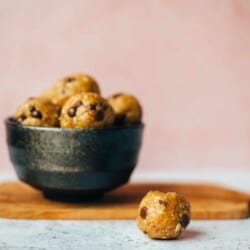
{"x": 127, "y": 109}
{"x": 163, "y": 215}
{"x": 38, "y": 112}
{"x": 86, "y": 110}
{"x": 71, "y": 85}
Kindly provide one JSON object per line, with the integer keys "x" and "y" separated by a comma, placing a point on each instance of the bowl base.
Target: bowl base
{"x": 74, "y": 198}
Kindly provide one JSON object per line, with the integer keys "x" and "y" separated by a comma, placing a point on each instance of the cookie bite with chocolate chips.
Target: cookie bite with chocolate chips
{"x": 71, "y": 85}
{"x": 38, "y": 111}
{"x": 127, "y": 109}
{"x": 163, "y": 215}
{"x": 86, "y": 110}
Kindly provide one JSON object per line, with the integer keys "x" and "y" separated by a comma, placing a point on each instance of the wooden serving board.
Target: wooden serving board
{"x": 18, "y": 200}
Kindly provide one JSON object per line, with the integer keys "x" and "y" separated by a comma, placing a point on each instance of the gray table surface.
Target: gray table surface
{"x": 122, "y": 234}
{"x": 108, "y": 235}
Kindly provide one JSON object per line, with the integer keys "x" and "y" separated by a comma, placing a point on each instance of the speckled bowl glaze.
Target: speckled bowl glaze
{"x": 73, "y": 163}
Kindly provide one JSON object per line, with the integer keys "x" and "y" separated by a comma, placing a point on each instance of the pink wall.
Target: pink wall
{"x": 187, "y": 61}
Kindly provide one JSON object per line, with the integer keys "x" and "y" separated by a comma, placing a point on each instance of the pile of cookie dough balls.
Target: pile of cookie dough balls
{"x": 75, "y": 101}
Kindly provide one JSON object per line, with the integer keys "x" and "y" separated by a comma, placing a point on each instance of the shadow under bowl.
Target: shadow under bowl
{"x": 73, "y": 164}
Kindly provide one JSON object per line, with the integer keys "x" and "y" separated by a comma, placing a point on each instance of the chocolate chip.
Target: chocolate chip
{"x": 13, "y": 119}
{"x": 36, "y": 114}
{"x": 105, "y": 106}
{"x": 185, "y": 220}
{"x": 77, "y": 104}
{"x": 32, "y": 109}
{"x": 163, "y": 203}
{"x": 91, "y": 106}
{"x": 21, "y": 118}
{"x": 119, "y": 119}
{"x": 72, "y": 112}
{"x": 69, "y": 79}
{"x": 99, "y": 115}
{"x": 31, "y": 98}
{"x": 144, "y": 212}
{"x": 116, "y": 95}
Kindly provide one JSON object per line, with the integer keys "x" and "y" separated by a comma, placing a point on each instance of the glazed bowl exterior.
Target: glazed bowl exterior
{"x": 73, "y": 162}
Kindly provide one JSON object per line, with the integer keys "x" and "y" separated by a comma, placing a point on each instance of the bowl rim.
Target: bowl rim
{"x": 40, "y": 128}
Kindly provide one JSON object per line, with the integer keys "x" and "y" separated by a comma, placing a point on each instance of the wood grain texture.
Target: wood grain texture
{"x": 18, "y": 200}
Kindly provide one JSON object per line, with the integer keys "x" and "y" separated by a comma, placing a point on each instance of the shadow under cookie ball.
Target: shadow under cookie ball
{"x": 86, "y": 110}
{"x": 71, "y": 85}
{"x": 127, "y": 108}
{"x": 38, "y": 111}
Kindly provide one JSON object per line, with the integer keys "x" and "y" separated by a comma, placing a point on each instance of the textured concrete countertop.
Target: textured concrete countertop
{"x": 47, "y": 234}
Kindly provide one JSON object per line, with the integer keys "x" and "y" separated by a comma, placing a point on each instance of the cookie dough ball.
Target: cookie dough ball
{"x": 71, "y": 85}
{"x": 127, "y": 109}
{"x": 86, "y": 110}
{"x": 38, "y": 112}
{"x": 163, "y": 215}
